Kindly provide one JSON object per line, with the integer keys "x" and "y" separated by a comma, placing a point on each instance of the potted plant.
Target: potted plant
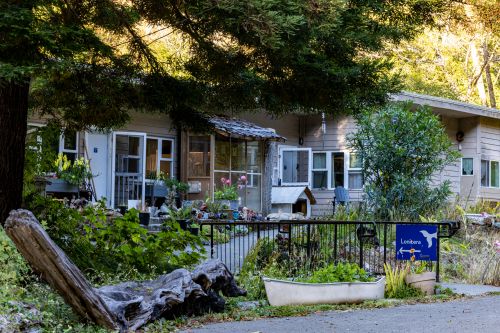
{"x": 194, "y": 228}
{"x": 421, "y": 278}
{"x": 71, "y": 176}
{"x": 229, "y": 192}
{"x": 333, "y": 284}
{"x": 176, "y": 189}
{"x": 213, "y": 208}
{"x": 182, "y": 215}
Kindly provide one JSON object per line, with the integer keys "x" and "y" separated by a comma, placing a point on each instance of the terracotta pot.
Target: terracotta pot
{"x": 424, "y": 281}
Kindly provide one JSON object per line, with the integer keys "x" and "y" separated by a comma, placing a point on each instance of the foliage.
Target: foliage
{"x": 97, "y": 243}
{"x": 342, "y": 272}
{"x": 39, "y": 139}
{"x": 228, "y": 191}
{"x": 74, "y": 172}
{"x": 183, "y": 213}
{"x": 220, "y": 235}
{"x": 14, "y": 269}
{"x": 456, "y": 59}
{"x": 395, "y": 283}
{"x": 173, "y": 184}
{"x": 398, "y": 176}
{"x": 213, "y": 206}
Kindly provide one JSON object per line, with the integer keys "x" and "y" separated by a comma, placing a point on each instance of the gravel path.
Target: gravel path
{"x": 481, "y": 314}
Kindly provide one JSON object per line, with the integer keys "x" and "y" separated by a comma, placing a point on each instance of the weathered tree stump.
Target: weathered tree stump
{"x": 129, "y": 305}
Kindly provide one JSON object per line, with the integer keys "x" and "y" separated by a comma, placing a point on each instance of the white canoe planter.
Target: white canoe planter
{"x": 282, "y": 292}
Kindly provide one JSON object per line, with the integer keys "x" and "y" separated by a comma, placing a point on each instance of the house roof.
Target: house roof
{"x": 290, "y": 194}
{"x": 242, "y": 129}
{"x": 446, "y": 106}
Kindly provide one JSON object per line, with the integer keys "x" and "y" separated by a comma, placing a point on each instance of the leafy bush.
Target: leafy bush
{"x": 14, "y": 269}
{"x": 95, "y": 242}
{"x": 342, "y": 272}
{"x": 395, "y": 286}
{"x": 398, "y": 175}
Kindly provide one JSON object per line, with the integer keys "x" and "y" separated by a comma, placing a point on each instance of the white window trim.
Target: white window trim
{"x": 281, "y": 150}
{"x": 461, "y": 166}
{"x": 113, "y": 164}
{"x": 349, "y": 170}
{"x": 63, "y": 150}
{"x": 328, "y": 169}
{"x": 160, "y": 139}
{"x": 489, "y": 174}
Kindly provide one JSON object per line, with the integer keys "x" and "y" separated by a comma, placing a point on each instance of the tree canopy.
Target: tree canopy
{"x": 87, "y": 63}
{"x": 459, "y": 58}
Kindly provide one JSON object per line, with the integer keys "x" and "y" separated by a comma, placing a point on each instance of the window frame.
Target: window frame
{"x": 350, "y": 170}
{"x": 326, "y": 169}
{"x": 159, "y": 159}
{"x": 489, "y": 174}
{"x": 462, "y": 166}
{"x": 282, "y": 150}
{"x": 63, "y": 150}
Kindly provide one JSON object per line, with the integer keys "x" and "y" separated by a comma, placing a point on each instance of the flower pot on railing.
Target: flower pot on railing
{"x": 424, "y": 281}
{"x": 60, "y": 186}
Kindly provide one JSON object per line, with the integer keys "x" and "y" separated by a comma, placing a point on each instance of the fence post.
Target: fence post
{"x": 437, "y": 250}
{"x": 335, "y": 243}
{"x": 258, "y": 231}
{"x": 308, "y": 241}
{"x": 211, "y": 241}
{"x": 361, "y": 252}
{"x": 385, "y": 243}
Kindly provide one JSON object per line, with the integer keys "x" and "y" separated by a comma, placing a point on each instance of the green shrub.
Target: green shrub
{"x": 14, "y": 269}
{"x": 398, "y": 176}
{"x": 97, "y": 243}
{"x": 342, "y": 272}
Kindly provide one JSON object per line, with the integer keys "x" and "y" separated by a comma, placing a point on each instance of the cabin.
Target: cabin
{"x": 292, "y": 151}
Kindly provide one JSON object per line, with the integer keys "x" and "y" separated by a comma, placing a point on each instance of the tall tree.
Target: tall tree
{"x": 460, "y": 58}
{"x": 85, "y": 63}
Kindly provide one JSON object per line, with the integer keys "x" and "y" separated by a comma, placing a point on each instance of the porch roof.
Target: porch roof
{"x": 243, "y": 129}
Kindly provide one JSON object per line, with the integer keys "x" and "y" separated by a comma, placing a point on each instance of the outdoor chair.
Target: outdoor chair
{"x": 340, "y": 197}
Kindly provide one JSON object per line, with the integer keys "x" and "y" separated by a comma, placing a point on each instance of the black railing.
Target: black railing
{"x": 312, "y": 243}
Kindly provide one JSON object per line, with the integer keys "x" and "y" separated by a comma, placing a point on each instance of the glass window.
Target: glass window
{"x": 69, "y": 145}
{"x": 295, "y": 166}
{"x": 166, "y": 149}
{"x": 354, "y": 161}
{"x": 337, "y": 169}
{"x": 166, "y": 168}
{"x": 222, "y": 153}
{"x": 355, "y": 178}
{"x": 199, "y": 156}
{"x": 319, "y": 171}
{"x": 151, "y": 158}
{"x": 69, "y": 140}
{"x": 467, "y": 166}
{"x": 485, "y": 173}
{"x": 494, "y": 174}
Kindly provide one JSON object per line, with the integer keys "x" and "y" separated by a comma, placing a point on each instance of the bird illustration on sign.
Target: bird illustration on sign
{"x": 428, "y": 237}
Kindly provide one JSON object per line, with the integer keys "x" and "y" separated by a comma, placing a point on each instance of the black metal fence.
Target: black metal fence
{"x": 313, "y": 243}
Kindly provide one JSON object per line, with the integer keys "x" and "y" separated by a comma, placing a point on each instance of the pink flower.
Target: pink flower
{"x": 497, "y": 246}
{"x": 223, "y": 180}
{"x": 228, "y": 182}
{"x": 243, "y": 178}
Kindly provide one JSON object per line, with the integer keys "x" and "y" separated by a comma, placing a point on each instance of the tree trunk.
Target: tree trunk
{"x": 129, "y": 305}
{"x": 13, "y": 123}
{"x": 478, "y": 73}
{"x": 487, "y": 74}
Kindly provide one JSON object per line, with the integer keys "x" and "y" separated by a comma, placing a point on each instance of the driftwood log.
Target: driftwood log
{"x": 129, "y": 305}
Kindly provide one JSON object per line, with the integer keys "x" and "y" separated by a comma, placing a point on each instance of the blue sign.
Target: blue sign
{"x": 417, "y": 241}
